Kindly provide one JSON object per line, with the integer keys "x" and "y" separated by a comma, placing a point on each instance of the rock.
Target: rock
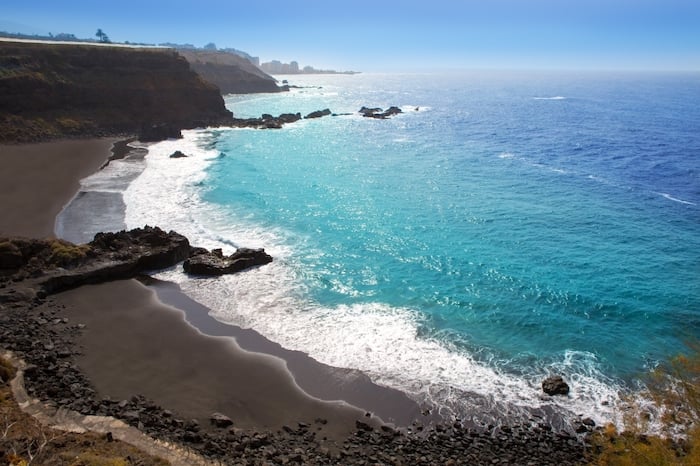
{"x": 318, "y": 114}
{"x": 159, "y": 132}
{"x": 54, "y": 265}
{"x": 363, "y": 426}
{"x": 220, "y": 420}
{"x": 177, "y": 155}
{"x": 10, "y": 255}
{"x": 368, "y": 112}
{"x": 378, "y": 113}
{"x": 214, "y": 263}
{"x": 555, "y": 385}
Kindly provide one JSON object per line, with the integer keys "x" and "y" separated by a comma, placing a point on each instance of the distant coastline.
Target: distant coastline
{"x": 277, "y": 67}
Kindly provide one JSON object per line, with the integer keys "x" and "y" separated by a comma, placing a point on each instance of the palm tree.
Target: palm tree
{"x": 102, "y": 36}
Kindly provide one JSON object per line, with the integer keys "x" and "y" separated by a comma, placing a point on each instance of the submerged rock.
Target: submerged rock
{"x": 177, "y": 155}
{"x": 555, "y": 385}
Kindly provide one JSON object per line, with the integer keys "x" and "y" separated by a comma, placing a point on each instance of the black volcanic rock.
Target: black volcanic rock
{"x": 177, "y": 155}
{"x": 318, "y": 114}
{"x": 215, "y": 263}
{"x": 379, "y": 113}
{"x": 51, "y": 266}
{"x": 159, "y": 132}
{"x": 555, "y": 385}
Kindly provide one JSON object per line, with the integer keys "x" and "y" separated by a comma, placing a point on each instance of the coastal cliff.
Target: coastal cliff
{"x": 50, "y": 91}
{"x": 230, "y": 73}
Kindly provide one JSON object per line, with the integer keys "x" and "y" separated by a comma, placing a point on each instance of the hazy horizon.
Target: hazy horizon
{"x": 397, "y": 36}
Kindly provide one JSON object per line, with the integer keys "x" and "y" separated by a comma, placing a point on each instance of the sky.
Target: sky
{"x": 392, "y": 35}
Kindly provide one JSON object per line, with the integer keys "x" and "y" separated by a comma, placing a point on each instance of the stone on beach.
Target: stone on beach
{"x": 220, "y": 420}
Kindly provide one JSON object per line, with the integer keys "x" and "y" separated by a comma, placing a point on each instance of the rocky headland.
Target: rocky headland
{"x": 51, "y": 91}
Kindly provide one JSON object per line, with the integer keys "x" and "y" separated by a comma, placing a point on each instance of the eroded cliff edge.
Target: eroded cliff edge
{"x": 230, "y": 73}
{"x": 50, "y": 91}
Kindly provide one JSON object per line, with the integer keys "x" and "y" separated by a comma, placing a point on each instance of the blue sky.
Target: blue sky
{"x": 396, "y": 35}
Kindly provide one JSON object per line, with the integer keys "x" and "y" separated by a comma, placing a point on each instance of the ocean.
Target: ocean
{"x": 505, "y": 227}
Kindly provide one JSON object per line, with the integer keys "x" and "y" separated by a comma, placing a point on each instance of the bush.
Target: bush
{"x": 674, "y": 388}
{"x": 65, "y": 254}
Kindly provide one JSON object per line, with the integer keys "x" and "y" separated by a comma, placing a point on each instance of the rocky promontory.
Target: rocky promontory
{"x": 45, "y": 267}
{"x": 50, "y": 91}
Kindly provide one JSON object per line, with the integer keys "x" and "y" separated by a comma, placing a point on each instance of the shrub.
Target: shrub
{"x": 674, "y": 388}
{"x": 65, "y": 254}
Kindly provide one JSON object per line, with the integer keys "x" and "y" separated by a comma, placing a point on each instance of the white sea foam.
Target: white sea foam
{"x": 381, "y": 340}
{"x": 557, "y": 97}
{"x": 675, "y": 199}
{"x": 115, "y": 177}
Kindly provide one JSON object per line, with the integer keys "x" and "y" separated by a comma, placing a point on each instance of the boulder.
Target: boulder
{"x": 215, "y": 263}
{"x": 220, "y": 420}
{"x": 10, "y": 255}
{"x": 177, "y": 155}
{"x": 555, "y": 385}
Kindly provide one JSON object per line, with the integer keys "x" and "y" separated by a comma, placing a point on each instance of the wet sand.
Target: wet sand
{"x": 38, "y": 180}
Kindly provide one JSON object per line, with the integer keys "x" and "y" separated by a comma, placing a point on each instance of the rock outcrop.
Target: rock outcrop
{"x": 51, "y": 266}
{"x": 44, "y": 267}
{"x": 50, "y": 91}
{"x": 379, "y": 113}
{"x": 318, "y": 114}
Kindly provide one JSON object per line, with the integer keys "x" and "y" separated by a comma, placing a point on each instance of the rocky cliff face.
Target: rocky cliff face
{"x": 62, "y": 90}
{"x": 230, "y": 73}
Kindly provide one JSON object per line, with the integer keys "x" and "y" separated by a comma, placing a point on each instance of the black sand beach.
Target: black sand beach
{"x": 155, "y": 343}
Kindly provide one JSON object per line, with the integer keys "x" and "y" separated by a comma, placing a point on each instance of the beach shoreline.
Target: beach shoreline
{"x": 157, "y": 342}
{"x": 60, "y": 166}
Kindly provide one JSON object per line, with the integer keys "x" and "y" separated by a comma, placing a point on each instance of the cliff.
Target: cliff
{"x": 52, "y": 91}
{"x": 231, "y": 73}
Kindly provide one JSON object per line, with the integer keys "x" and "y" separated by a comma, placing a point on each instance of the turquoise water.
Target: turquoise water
{"x": 503, "y": 226}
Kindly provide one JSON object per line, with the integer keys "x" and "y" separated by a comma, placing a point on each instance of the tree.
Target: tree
{"x": 102, "y": 36}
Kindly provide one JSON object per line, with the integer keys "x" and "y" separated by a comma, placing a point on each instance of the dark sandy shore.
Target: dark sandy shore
{"x": 153, "y": 341}
{"x": 38, "y": 180}
{"x": 135, "y": 344}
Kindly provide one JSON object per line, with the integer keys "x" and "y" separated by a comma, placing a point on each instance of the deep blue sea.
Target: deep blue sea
{"x": 505, "y": 227}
